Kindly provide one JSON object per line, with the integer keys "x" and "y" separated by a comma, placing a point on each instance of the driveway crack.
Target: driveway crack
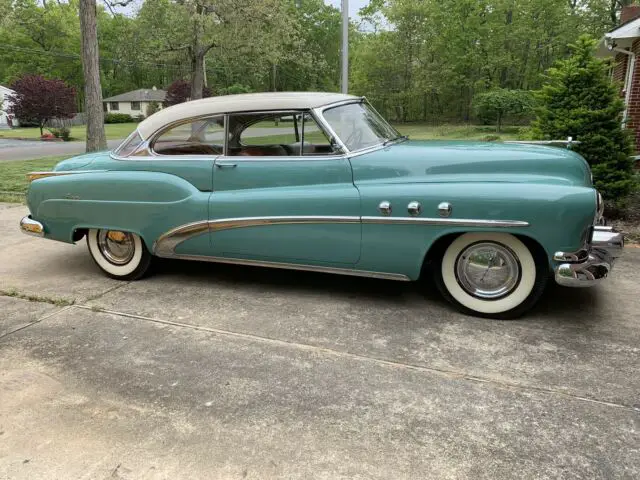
{"x": 44, "y": 317}
{"x": 449, "y": 373}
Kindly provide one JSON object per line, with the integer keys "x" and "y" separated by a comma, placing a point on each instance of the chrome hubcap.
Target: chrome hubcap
{"x": 488, "y": 270}
{"x": 117, "y": 247}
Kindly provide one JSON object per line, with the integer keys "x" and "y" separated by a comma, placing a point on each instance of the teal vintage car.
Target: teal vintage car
{"x": 321, "y": 182}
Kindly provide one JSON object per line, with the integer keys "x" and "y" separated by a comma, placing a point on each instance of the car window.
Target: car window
{"x": 314, "y": 140}
{"x": 279, "y": 134}
{"x": 129, "y": 145}
{"x": 359, "y": 126}
{"x": 198, "y": 137}
{"x": 275, "y": 130}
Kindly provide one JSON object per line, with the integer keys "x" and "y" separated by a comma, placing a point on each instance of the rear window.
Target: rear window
{"x": 130, "y": 145}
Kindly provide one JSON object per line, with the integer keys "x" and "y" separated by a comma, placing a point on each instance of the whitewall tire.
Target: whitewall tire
{"x": 121, "y": 255}
{"x": 491, "y": 275}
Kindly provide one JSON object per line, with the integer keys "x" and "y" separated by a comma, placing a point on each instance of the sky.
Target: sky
{"x": 354, "y": 5}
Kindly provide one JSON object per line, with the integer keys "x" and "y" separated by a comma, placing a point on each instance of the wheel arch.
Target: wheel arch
{"x": 439, "y": 245}
{"x": 81, "y": 230}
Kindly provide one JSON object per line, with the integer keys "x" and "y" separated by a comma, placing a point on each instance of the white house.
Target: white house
{"x": 134, "y": 103}
{"x": 4, "y": 96}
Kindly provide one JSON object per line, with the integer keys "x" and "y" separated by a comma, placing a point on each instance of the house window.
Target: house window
{"x": 135, "y": 105}
{"x": 114, "y": 106}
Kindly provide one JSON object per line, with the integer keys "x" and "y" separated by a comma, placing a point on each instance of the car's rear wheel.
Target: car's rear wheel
{"x": 493, "y": 275}
{"x": 120, "y": 255}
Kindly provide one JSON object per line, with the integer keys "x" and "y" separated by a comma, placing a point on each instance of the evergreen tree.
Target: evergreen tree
{"x": 578, "y": 100}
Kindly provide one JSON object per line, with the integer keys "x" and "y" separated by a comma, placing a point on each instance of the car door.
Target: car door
{"x": 283, "y": 195}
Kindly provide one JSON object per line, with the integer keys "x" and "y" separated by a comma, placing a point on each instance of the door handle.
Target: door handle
{"x": 226, "y": 165}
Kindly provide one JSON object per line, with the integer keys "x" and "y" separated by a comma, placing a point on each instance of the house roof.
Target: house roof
{"x": 140, "y": 95}
{"x": 239, "y": 103}
{"x": 623, "y": 36}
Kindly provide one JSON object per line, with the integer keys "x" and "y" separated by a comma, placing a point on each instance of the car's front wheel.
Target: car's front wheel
{"x": 120, "y": 255}
{"x": 492, "y": 275}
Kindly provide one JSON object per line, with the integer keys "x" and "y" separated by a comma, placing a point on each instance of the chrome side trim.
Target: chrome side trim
{"x": 29, "y": 226}
{"x": 166, "y": 244}
{"x": 31, "y": 176}
{"x": 229, "y": 223}
{"x": 459, "y": 222}
{"x": 295, "y": 266}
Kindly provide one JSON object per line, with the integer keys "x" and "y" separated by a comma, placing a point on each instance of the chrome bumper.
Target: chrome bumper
{"x": 590, "y": 265}
{"x": 31, "y": 227}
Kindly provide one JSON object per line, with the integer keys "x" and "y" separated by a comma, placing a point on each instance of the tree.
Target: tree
{"x": 494, "y": 105}
{"x": 180, "y": 91}
{"x": 38, "y": 100}
{"x": 152, "y": 108}
{"x": 579, "y": 100}
{"x": 96, "y": 138}
{"x": 252, "y": 30}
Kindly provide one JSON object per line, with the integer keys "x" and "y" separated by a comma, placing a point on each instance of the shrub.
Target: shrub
{"x": 64, "y": 133}
{"x": 235, "y": 89}
{"x": 493, "y": 106}
{"x": 118, "y": 118}
{"x": 152, "y": 108}
{"x": 579, "y": 100}
{"x": 138, "y": 118}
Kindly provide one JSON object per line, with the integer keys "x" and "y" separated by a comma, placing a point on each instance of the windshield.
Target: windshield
{"x": 359, "y": 126}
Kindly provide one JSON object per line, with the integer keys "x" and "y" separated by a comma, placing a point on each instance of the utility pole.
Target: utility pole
{"x": 274, "y": 69}
{"x": 344, "y": 79}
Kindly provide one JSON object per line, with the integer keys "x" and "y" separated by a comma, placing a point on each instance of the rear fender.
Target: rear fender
{"x": 145, "y": 203}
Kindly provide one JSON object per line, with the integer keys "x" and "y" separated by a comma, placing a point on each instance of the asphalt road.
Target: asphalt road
{"x": 26, "y": 149}
{"x": 214, "y": 371}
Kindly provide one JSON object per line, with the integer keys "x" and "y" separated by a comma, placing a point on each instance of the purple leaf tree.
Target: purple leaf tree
{"x": 180, "y": 91}
{"x": 38, "y": 100}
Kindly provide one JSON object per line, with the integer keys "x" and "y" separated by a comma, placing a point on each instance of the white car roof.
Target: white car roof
{"x": 239, "y": 103}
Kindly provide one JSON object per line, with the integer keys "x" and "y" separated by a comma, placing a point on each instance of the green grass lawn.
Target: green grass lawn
{"x": 418, "y": 131}
{"x": 79, "y": 132}
{"x": 13, "y": 176}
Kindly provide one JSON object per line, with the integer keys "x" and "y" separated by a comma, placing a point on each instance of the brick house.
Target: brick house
{"x": 623, "y": 44}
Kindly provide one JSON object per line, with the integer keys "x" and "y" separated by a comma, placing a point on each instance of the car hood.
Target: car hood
{"x": 462, "y": 161}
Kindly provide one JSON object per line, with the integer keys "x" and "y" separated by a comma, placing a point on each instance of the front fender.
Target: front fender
{"x": 558, "y": 216}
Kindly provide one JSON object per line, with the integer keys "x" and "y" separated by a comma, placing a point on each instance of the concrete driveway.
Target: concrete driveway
{"x": 27, "y": 149}
{"x": 213, "y": 371}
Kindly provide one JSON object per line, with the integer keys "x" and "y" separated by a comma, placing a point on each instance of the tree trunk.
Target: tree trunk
{"x": 96, "y": 139}
{"x": 197, "y": 73}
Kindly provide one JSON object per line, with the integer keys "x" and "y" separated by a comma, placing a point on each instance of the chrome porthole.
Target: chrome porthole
{"x": 116, "y": 247}
{"x": 488, "y": 270}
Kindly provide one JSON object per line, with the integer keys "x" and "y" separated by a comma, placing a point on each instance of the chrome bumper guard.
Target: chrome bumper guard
{"x": 30, "y": 227}
{"x": 590, "y": 265}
